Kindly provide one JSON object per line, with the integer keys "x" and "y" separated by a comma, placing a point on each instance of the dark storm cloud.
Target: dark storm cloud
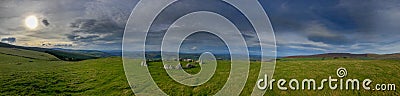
{"x": 9, "y": 40}
{"x": 315, "y": 21}
{"x": 55, "y": 44}
{"x": 195, "y": 42}
{"x": 301, "y": 26}
{"x": 103, "y": 25}
{"x": 63, "y": 45}
{"x": 357, "y": 26}
{"x": 317, "y": 32}
{"x": 92, "y": 31}
{"x": 361, "y": 12}
{"x": 45, "y": 22}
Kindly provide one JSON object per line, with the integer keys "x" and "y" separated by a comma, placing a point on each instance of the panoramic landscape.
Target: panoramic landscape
{"x": 199, "y": 47}
{"x": 29, "y": 72}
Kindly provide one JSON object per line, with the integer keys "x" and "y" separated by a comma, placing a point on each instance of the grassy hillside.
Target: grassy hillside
{"x": 27, "y": 54}
{"x": 62, "y": 55}
{"x": 91, "y": 77}
{"x": 106, "y": 76}
{"x": 94, "y": 53}
{"x": 380, "y": 71}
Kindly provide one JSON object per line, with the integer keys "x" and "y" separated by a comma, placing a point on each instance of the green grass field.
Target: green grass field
{"x": 20, "y": 75}
{"x": 27, "y": 76}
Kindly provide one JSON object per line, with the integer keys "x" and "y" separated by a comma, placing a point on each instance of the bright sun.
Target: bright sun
{"x": 31, "y": 22}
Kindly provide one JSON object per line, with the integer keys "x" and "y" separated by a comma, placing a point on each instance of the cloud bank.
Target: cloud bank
{"x": 301, "y": 27}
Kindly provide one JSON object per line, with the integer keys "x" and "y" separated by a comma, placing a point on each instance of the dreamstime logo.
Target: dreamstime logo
{"x": 163, "y": 25}
{"x": 311, "y": 84}
{"x": 341, "y": 72}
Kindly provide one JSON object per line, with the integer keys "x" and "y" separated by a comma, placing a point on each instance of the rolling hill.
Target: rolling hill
{"x": 60, "y": 54}
{"x": 29, "y": 72}
{"x": 395, "y": 56}
{"x": 27, "y": 54}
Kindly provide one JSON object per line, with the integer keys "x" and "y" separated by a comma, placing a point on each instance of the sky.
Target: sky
{"x": 301, "y": 27}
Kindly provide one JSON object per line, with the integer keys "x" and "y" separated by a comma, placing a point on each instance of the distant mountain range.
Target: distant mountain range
{"x": 95, "y": 53}
{"x": 395, "y": 56}
{"x": 62, "y": 54}
{"x": 77, "y": 55}
{"x": 156, "y": 55}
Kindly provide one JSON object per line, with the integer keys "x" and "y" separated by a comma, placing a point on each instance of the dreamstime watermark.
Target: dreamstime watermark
{"x": 162, "y": 26}
{"x": 333, "y": 83}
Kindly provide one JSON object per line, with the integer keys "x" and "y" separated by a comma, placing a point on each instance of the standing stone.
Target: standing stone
{"x": 166, "y": 67}
{"x": 178, "y": 66}
{"x": 189, "y": 65}
{"x": 170, "y": 67}
{"x": 144, "y": 63}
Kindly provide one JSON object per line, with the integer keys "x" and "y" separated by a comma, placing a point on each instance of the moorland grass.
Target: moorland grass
{"x": 106, "y": 76}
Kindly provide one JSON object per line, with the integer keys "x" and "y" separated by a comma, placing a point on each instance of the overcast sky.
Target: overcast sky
{"x": 301, "y": 26}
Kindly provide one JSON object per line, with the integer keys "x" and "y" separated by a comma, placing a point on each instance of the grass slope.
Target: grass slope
{"x": 106, "y": 77}
{"x": 90, "y": 77}
{"x": 63, "y": 55}
{"x": 27, "y": 54}
{"x": 380, "y": 71}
